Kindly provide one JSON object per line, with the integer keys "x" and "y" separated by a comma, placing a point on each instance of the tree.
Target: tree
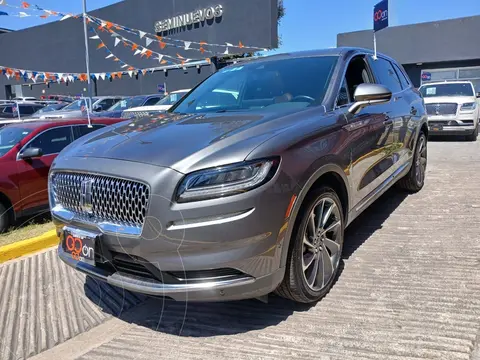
{"x": 281, "y": 13}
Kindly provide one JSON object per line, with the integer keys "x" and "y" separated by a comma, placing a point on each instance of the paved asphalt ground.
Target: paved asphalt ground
{"x": 409, "y": 289}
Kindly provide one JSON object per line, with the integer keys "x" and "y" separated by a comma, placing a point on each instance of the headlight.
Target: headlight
{"x": 227, "y": 180}
{"x": 468, "y": 106}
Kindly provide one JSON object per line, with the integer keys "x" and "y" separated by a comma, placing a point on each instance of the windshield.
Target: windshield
{"x": 10, "y": 136}
{"x": 77, "y": 104}
{"x": 128, "y": 103}
{"x": 284, "y": 84}
{"x": 446, "y": 90}
{"x": 171, "y": 99}
{"x": 49, "y": 108}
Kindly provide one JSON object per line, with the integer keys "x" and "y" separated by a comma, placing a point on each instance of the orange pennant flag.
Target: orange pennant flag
{"x": 25, "y": 5}
{"x": 202, "y": 50}
{"x": 9, "y": 71}
{"x": 88, "y": 20}
{"x": 203, "y": 43}
{"x": 208, "y": 60}
{"x": 180, "y": 56}
{"x": 113, "y": 75}
{"x": 131, "y": 68}
{"x": 183, "y": 63}
{"x": 119, "y": 74}
{"x": 134, "y": 47}
{"x": 109, "y": 25}
{"x": 240, "y": 45}
{"x": 118, "y": 27}
{"x": 116, "y": 59}
{"x": 162, "y": 45}
{"x": 148, "y": 53}
{"x": 44, "y": 16}
{"x": 125, "y": 44}
{"x": 47, "y": 75}
{"x": 144, "y": 71}
{"x": 163, "y": 62}
{"x": 159, "y": 38}
{"x": 54, "y": 13}
{"x": 17, "y": 75}
{"x": 101, "y": 45}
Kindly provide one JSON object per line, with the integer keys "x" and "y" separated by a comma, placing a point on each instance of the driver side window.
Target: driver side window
{"x": 357, "y": 73}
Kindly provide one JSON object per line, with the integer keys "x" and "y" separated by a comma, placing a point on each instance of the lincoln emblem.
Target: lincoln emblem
{"x": 86, "y": 196}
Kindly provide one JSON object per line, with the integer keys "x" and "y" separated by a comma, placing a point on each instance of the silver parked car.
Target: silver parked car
{"x": 246, "y": 185}
{"x": 78, "y": 108}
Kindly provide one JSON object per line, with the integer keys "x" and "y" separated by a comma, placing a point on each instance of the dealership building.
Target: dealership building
{"x": 59, "y": 47}
{"x": 432, "y": 51}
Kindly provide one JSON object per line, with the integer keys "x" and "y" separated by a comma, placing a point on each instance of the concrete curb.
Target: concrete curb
{"x": 25, "y": 247}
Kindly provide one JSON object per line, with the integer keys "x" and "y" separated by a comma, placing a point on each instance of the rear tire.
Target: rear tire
{"x": 315, "y": 249}
{"x": 474, "y": 136}
{"x": 415, "y": 179}
{"x": 4, "y": 218}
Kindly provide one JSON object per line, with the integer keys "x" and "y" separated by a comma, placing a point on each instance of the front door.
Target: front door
{"x": 33, "y": 173}
{"x": 370, "y": 132}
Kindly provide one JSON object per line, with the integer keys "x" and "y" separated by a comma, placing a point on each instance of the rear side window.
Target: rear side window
{"x": 82, "y": 130}
{"x": 26, "y": 110}
{"x": 386, "y": 75}
{"x": 403, "y": 77}
{"x": 52, "y": 141}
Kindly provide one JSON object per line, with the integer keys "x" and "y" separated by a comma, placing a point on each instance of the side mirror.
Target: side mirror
{"x": 369, "y": 94}
{"x": 478, "y": 94}
{"x": 97, "y": 108}
{"x": 30, "y": 153}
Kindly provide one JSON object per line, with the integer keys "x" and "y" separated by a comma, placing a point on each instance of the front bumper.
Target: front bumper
{"x": 240, "y": 233}
{"x": 463, "y": 124}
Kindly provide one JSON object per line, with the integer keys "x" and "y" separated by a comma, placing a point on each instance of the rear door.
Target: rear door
{"x": 369, "y": 131}
{"x": 33, "y": 173}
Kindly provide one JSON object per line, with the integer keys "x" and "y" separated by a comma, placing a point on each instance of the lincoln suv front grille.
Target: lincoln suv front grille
{"x": 101, "y": 198}
{"x": 442, "y": 109}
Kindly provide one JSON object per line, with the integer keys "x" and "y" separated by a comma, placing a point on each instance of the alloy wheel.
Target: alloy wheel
{"x": 421, "y": 162}
{"x": 322, "y": 244}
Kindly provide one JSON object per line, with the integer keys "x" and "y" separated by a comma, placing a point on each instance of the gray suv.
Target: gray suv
{"x": 245, "y": 186}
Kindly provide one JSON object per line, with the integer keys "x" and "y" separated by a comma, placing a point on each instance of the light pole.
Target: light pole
{"x": 87, "y": 58}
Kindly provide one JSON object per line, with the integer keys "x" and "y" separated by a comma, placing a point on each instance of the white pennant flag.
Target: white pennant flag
{"x": 8, "y": 76}
{"x": 109, "y": 56}
{"x": 103, "y": 24}
{"x": 103, "y": 75}
{"x": 144, "y": 50}
{"x": 65, "y": 17}
{"x": 228, "y": 44}
{"x": 226, "y": 51}
{"x": 60, "y": 75}
{"x": 34, "y": 79}
{"x": 187, "y": 44}
{"x": 97, "y": 76}
{"x": 152, "y": 70}
{"x": 130, "y": 73}
{"x": 29, "y": 74}
{"x": 124, "y": 66}
{"x": 95, "y": 37}
{"x": 23, "y": 14}
{"x": 160, "y": 57}
{"x": 71, "y": 78}
{"x": 137, "y": 52}
{"x": 65, "y": 78}
{"x": 148, "y": 41}
{"x": 117, "y": 41}
{"x": 22, "y": 72}
{"x": 48, "y": 11}
{"x": 142, "y": 34}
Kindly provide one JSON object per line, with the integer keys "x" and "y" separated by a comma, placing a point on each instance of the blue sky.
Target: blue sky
{"x": 308, "y": 23}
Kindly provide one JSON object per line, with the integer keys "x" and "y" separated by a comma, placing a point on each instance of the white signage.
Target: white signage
{"x": 191, "y": 18}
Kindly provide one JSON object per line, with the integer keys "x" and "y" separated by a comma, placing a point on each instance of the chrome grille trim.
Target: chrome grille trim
{"x": 116, "y": 204}
{"x": 442, "y": 109}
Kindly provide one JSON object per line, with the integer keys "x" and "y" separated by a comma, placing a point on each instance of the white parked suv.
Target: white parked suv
{"x": 452, "y": 108}
{"x": 161, "y": 106}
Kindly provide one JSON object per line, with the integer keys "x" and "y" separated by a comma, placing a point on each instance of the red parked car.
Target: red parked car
{"x": 27, "y": 150}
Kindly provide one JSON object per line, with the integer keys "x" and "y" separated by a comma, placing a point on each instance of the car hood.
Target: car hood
{"x": 450, "y": 99}
{"x": 183, "y": 142}
{"x": 150, "y": 108}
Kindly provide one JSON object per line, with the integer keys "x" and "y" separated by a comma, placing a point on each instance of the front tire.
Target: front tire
{"x": 415, "y": 179}
{"x": 4, "y": 218}
{"x": 473, "y": 136}
{"x": 316, "y": 248}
